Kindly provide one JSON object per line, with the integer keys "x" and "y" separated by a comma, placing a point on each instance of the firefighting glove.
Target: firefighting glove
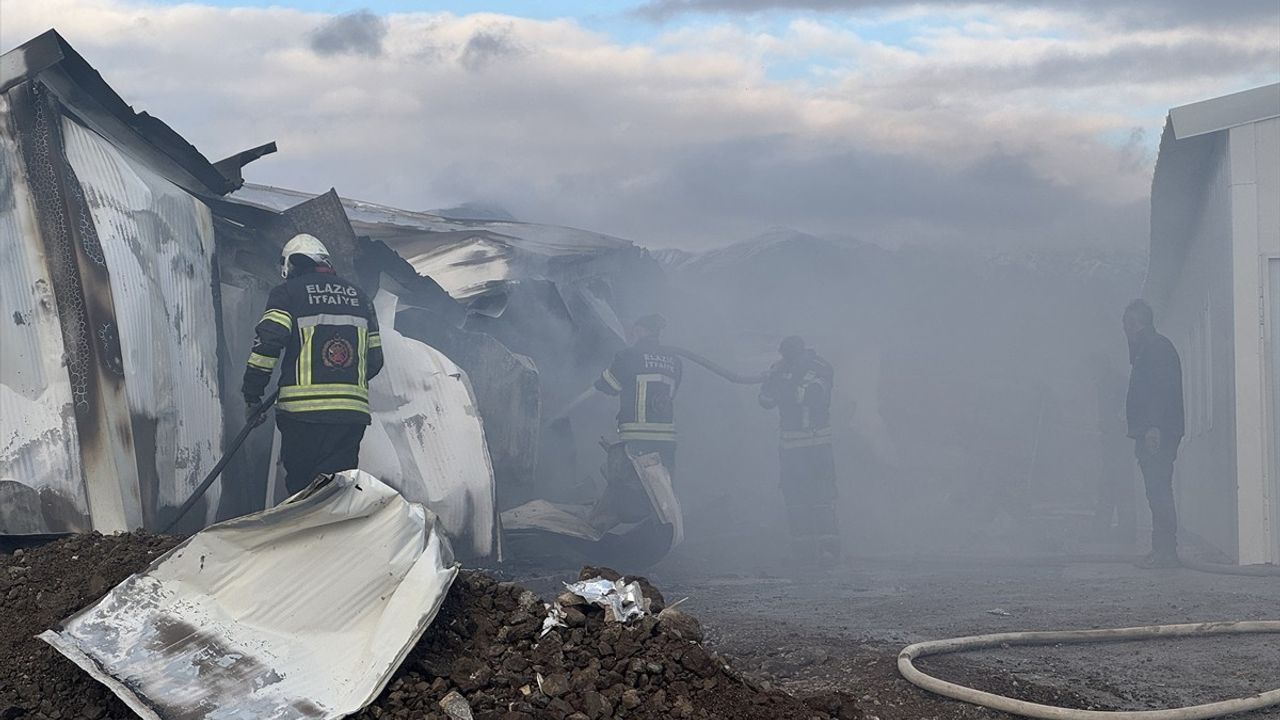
{"x": 251, "y": 411}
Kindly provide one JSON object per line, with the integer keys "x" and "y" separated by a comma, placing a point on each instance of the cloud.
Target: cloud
{"x": 360, "y": 32}
{"x": 1016, "y": 130}
{"x": 488, "y": 45}
{"x": 1156, "y": 13}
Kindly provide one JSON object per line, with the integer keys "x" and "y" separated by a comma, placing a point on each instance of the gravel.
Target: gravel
{"x": 483, "y": 658}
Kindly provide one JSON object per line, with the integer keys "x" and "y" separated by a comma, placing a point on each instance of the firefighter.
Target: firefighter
{"x": 799, "y": 385}
{"x": 328, "y": 333}
{"x": 645, "y": 377}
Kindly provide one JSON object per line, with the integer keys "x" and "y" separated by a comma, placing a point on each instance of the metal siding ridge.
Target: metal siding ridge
{"x": 158, "y": 241}
{"x": 81, "y": 288}
{"x": 39, "y": 444}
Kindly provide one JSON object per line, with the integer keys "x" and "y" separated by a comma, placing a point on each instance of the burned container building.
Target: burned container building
{"x": 134, "y": 270}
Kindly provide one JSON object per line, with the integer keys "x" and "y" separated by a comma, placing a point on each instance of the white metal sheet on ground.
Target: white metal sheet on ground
{"x": 158, "y": 243}
{"x": 302, "y": 611}
{"x": 570, "y": 520}
{"x": 427, "y": 438}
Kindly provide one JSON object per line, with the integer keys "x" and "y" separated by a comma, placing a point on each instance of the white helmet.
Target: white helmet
{"x": 308, "y": 246}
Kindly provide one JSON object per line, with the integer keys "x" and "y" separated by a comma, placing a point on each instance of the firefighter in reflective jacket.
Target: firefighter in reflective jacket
{"x": 799, "y": 386}
{"x": 645, "y": 377}
{"x": 327, "y": 332}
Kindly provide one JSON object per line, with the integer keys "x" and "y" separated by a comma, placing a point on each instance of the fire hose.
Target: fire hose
{"x": 253, "y": 420}
{"x": 993, "y": 701}
{"x": 718, "y": 369}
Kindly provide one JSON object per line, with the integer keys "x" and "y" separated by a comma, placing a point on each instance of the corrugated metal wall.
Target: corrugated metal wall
{"x": 109, "y": 390}
{"x": 39, "y": 445}
{"x": 158, "y": 243}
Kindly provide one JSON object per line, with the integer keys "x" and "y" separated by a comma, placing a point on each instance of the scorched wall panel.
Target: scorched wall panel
{"x": 41, "y": 489}
{"x": 158, "y": 244}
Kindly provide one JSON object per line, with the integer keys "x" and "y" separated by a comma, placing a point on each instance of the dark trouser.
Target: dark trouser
{"x": 309, "y": 449}
{"x": 1157, "y": 475}
{"x": 1115, "y": 488}
{"x": 809, "y": 492}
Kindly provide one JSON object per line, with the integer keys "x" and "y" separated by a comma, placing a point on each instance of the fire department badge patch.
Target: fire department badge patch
{"x": 337, "y": 353}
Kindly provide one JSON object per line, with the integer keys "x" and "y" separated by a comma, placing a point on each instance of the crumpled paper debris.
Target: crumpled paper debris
{"x": 554, "y": 619}
{"x": 622, "y": 602}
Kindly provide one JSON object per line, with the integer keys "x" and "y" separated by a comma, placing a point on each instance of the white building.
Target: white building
{"x": 1214, "y": 281}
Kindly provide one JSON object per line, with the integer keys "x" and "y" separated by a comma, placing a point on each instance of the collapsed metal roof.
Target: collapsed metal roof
{"x": 81, "y": 91}
{"x": 130, "y": 291}
{"x": 467, "y": 257}
{"x": 132, "y": 271}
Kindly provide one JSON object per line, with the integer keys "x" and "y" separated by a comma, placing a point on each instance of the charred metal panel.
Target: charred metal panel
{"x": 324, "y": 217}
{"x": 82, "y": 293}
{"x": 377, "y": 264}
{"x": 158, "y": 241}
{"x": 232, "y": 167}
{"x": 41, "y": 490}
{"x": 507, "y": 395}
{"x": 79, "y": 88}
{"x": 427, "y": 439}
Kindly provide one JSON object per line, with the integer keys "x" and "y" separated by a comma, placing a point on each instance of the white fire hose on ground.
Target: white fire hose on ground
{"x": 1270, "y": 698}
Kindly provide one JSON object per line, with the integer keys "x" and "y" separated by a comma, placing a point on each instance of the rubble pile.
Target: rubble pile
{"x": 488, "y": 649}
{"x": 38, "y": 588}
{"x": 487, "y": 656}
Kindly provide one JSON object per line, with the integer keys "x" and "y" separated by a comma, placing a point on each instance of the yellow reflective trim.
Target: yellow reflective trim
{"x": 666, "y": 436}
{"x": 804, "y": 434}
{"x": 648, "y": 426}
{"x": 362, "y": 352}
{"x": 278, "y": 316}
{"x": 262, "y": 362}
{"x": 375, "y": 340}
{"x": 642, "y": 396}
{"x": 642, "y": 393}
{"x": 321, "y": 405}
{"x": 321, "y": 390}
{"x": 611, "y": 380}
{"x": 304, "y": 356}
{"x": 805, "y": 438}
{"x": 810, "y": 442}
{"x": 647, "y": 431}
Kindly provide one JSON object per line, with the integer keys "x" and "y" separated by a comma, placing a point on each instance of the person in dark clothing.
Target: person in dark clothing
{"x": 327, "y": 332}
{"x": 1154, "y": 412}
{"x": 799, "y": 385}
{"x": 1115, "y": 481}
{"x": 645, "y": 377}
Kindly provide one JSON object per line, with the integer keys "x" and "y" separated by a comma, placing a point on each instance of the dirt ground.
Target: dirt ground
{"x": 842, "y": 630}
{"x": 828, "y": 637}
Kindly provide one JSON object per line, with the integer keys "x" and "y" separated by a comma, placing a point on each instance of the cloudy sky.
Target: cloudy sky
{"x": 693, "y": 123}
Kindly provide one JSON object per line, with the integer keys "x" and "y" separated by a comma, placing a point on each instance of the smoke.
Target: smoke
{"x": 356, "y": 33}
{"x": 963, "y": 400}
